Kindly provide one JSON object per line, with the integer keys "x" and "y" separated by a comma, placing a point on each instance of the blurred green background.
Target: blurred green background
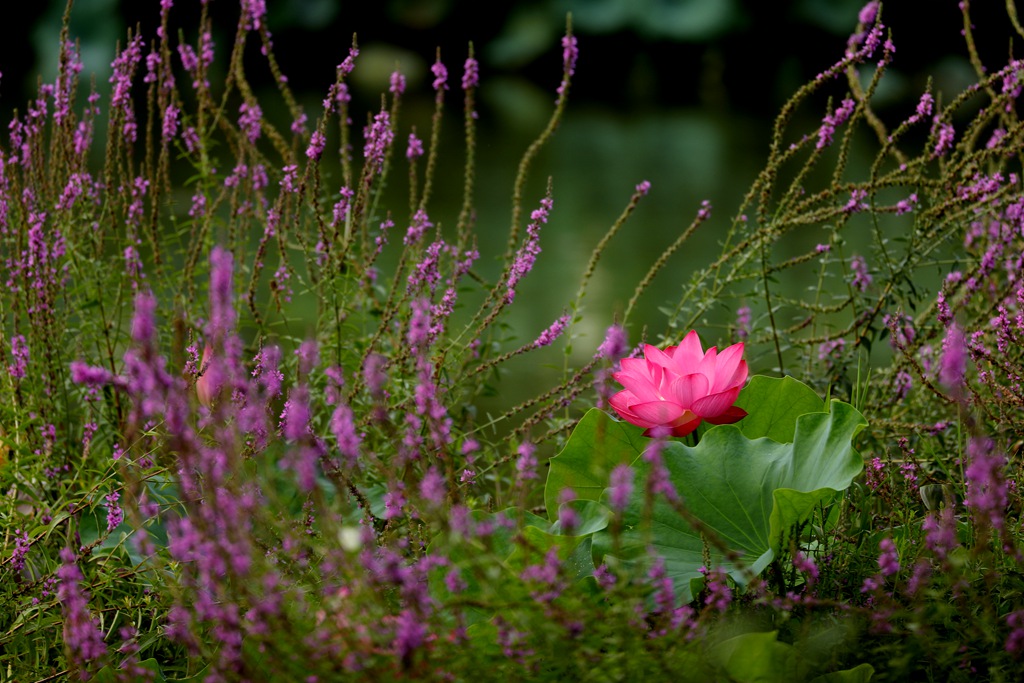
{"x": 678, "y": 92}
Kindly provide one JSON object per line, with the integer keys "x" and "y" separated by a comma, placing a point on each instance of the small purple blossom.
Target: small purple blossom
{"x": 831, "y": 350}
{"x": 940, "y": 532}
{"x": 82, "y": 373}
{"x": 806, "y": 565}
{"x": 944, "y": 139}
{"x": 620, "y": 487}
{"x": 867, "y": 14}
{"x": 22, "y": 543}
{"x": 415, "y": 148}
{"x": 861, "y": 277}
{"x": 419, "y": 323}
{"x": 470, "y": 74}
{"x": 418, "y": 227}
{"x": 570, "y": 53}
{"x": 906, "y": 205}
{"x": 379, "y": 136}
{"x": 888, "y": 559}
{"x": 743, "y": 322}
{"x": 527, "y": 254}
{"x": 432, "y": 488}
{"x": 170, "y": 122}
{"x": 440, "y": 75}
{"x": 20, "y": 356}
{"x": 316, "y": 146}
{"x": 718, "y": 593}
{"x": 82, "y": 636}
{"x": 115, "y": 515}
{"x": 397, "y": 84}
{"x": 615, "y": 344}
{"x": 857, "y": 202}
{"x": 924, "y": 107}
{"x": 253, "y": 12}
{"x": 249, "y": 117}
{"x": 548, "y": 336}
{"x": 987, "y": 490}
{"x": 953, "y": 365}
{"x": 343, "y": 427}
{"x": 526, "y": 464}
{"x": 1015, "y": 641}
{"x": 833, "y": 121}
{"x": 902, "y": 384}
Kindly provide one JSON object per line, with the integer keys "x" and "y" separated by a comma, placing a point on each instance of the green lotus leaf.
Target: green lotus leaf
{"x": 743, "y": 487}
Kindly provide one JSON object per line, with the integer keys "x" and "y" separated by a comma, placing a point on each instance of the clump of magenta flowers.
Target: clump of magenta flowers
{"x": 241, "y": 440}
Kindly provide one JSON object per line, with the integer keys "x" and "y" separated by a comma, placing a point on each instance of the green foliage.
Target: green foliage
{"x": 741, "y": 491}
{"x": 252, "y": 431}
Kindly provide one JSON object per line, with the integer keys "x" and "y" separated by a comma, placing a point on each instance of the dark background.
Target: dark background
{"x": 742, "y": 55}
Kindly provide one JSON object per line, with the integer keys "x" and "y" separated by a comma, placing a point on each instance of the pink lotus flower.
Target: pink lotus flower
{"x": 681, "y": 386}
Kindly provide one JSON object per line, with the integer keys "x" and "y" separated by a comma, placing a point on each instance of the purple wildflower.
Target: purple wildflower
{"x": 88, "y": 375}
{"x": 115, "y": 515}
{"x": 397, "y": 86}
{"x": 415, "y": 148}
{"x": 888, "y": 559}
{"x": 253, "y": 12}
{"x": 249, "y": 117}
{"x": 856, "y": 202}
{"x": 22, "y": 543}
{"x": 806, "y": 565}
{"x": 743, "y": 323}
{"x": 833, "y": 121}
{"x": 1015, "y": 641}
{"x": 432, "y": 487}
{"x": 548, "y": 336}
{"x": 570, "y": 53}
{"x": 373, "y": 374}
{"x": 527, "y": 254}
{"x": 902, "y": 384}
{"x": 831, "y": 351}
{"x": 986, "y": 485}
{"x": 620, "y": 487}
{"x": 526, "y": 465}
{"x": 419, "y": 324}
{"x": 658, "y": 479}
{"x": 440, "y": 75}
{"x": 940, "y": 532}
{"x": 867, "y": 14}
{"x": 419, "y": 226}
{"x": 379, "y": 136}
{"x": 410, "y": 634}
{"x": 861, "y": 277}
{"x": 316, "y": 146}
{"x": 718, "y": 593}
{"x": 924, "y": 108}
{"x": 568, "y": 519}
{"x": 470, "y": 74}
{"x": 267, "y": 370}
{"x": 20, "y": 355}
{"x": 343, "y": 426}
{"x": 82, "y": 636}
{"x": 944, "y": 141}
{"x": 170, "y": 122}
{"x": 615, "y": 343}
{"x": 953, "y": 366}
